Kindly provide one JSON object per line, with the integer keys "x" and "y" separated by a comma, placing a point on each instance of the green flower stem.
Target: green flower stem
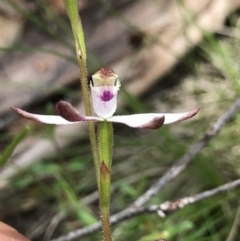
{"x": 88, "y": 109}
{"x": 105, "y": 184}
{"x": 105, "y": 142}
{"x": 77, "y": 28}
{"x": 78, "y": 33}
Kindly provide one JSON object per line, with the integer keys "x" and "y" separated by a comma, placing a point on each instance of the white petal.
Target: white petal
{"x": 153, "y": 120}
{"x": 176, "y": 117}
{"x": 142, "y": 121}
{"x": 51, "y": 119}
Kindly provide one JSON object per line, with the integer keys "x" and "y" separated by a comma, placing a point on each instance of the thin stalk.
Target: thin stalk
{"x": 105, "y": 141}
{"x": 78, "y": 33}
{"x": 88, "y": 110}
{"x": 104, "y": 204}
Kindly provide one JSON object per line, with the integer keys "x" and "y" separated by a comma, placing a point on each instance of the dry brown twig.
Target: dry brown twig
{"x": 162, "y": 210}
{"x": 137, "y": 207}
{"x": 188, "y": 157}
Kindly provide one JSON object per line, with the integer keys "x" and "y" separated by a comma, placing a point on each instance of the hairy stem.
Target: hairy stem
{"x": 88, "y": 109}
{"x": 78, "y": 34}
{"x": 105, "y": 139}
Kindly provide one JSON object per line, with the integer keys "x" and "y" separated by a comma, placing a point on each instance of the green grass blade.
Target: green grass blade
{"x": 73, "y": 202}
{"x": 8, "y": 152}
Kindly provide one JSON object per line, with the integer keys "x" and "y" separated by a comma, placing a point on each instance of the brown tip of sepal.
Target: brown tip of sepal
{"x": 193, "y": 112}
{"x": 24, "y": 114}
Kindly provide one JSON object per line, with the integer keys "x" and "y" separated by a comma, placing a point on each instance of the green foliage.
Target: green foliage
{"x": 11, "y": 147}
{"x": 70, "y": 202}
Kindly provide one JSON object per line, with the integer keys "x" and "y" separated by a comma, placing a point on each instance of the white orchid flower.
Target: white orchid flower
{"x": 104, "y": 89}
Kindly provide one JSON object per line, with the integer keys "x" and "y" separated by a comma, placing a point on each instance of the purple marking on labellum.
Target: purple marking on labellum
{"x": 106, "y": 96}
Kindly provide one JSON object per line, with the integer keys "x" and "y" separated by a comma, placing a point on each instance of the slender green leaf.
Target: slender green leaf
{"x": 8, "y": 152}
{"x": 74, "y": 203}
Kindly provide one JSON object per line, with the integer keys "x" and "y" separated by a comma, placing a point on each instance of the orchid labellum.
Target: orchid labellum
{"x": 104, "y": 89}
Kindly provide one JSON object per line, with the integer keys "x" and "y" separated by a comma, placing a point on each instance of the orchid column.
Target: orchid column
{"x": 104, "y": 88}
